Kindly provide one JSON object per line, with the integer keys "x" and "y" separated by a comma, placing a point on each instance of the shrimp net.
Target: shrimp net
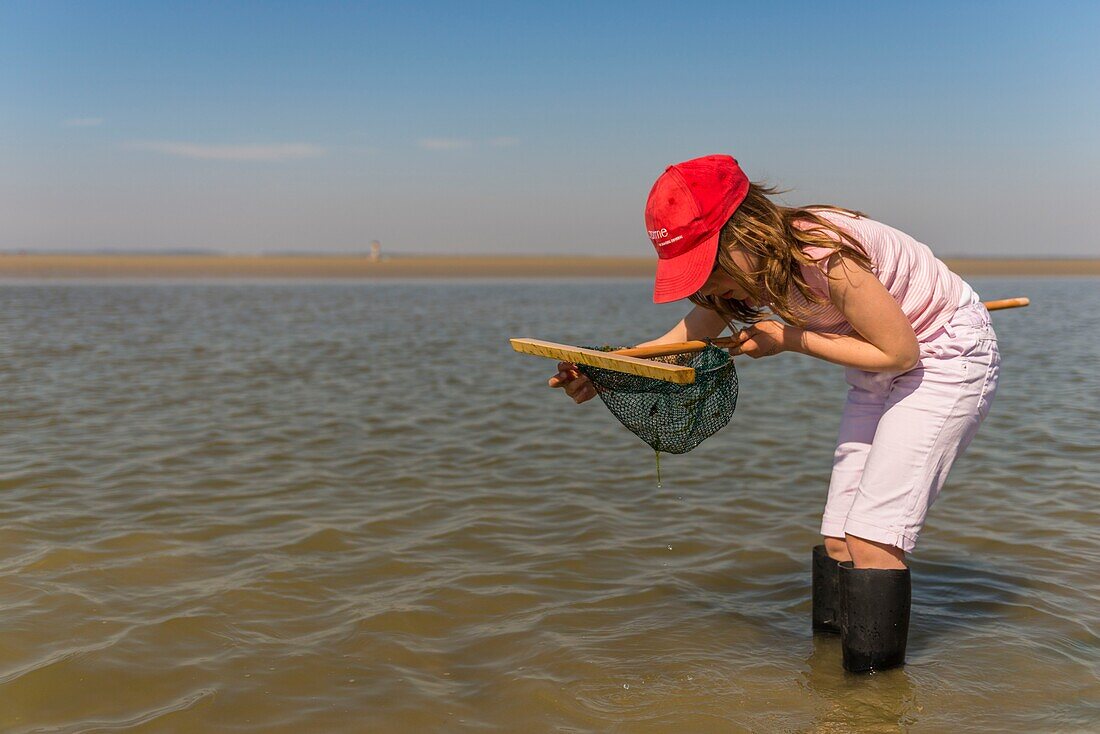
{"x": 671, "y": 418}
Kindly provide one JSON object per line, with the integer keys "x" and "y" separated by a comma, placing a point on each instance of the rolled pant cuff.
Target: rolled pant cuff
{"x": 832, "y": 527}
{"x": 869, "y": 531}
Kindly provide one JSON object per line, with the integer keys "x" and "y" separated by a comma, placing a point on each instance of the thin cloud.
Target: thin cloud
{"x": 276, "y": 152}
{"x": 445, "y": 144}
{"x": 503, "y": 142}
{"x": 83, "y": 122}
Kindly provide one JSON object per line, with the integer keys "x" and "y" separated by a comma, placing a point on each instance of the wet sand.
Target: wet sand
{"x": 311, "y": 266}
{"x": 471, "y": 266}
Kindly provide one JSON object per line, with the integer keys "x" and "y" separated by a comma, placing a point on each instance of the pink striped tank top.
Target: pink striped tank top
{"x": 928, "y": 293}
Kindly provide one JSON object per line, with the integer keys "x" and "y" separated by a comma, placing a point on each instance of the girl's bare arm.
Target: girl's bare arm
{"x": 884, "y": 340}
{"x": 700, "y": 323}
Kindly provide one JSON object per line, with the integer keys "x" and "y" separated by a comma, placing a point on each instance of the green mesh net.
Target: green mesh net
{"x": 669, "y": 417}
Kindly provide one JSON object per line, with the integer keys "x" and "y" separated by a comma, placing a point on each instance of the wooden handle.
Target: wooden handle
{"x": 664, "y": 350}
{"x": 1006, "y": 303}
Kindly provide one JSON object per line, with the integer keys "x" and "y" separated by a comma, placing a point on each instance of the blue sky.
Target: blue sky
{"x": 538, "y": 127}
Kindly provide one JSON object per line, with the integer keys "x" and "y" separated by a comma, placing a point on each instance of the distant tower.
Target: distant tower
{"x": 375, "y": 251}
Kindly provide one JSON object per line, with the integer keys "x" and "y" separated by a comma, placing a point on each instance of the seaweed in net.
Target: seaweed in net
{"x": 671, "y": 418}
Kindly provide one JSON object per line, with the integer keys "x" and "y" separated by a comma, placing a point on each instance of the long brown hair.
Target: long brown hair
{"x": 762, "y": 228}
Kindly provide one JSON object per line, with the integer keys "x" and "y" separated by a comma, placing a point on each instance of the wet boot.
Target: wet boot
{"x": 825, "y": 591}
{"x": 875, "y": 623}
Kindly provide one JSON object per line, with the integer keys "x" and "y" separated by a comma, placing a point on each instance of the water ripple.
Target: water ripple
{"x": 256, "y": 508}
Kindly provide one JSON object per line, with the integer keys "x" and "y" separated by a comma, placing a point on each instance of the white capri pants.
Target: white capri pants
{"x": 901, "y": 432}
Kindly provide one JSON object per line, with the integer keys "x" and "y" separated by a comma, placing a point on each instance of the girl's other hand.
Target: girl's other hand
{"x": 762, "y": 339}
{"x": 576, "y": 385}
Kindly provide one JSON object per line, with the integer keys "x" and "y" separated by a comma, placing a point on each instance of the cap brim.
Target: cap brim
{"x": 679, "y": 277}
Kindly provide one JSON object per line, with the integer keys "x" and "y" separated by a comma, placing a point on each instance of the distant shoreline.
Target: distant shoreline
{"x": 175, "y": 265}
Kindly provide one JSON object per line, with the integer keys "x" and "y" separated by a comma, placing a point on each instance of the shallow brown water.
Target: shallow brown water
{"x": 350, "y": 507}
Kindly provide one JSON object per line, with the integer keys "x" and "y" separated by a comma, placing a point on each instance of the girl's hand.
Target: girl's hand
{"x": 576, "y": 385}
{"x": 762, "y": 339}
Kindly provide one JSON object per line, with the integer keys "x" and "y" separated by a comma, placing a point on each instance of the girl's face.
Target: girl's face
{"x": 722, "y": 285}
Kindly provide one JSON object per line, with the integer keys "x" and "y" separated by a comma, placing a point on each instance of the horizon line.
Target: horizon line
{"x": 386, "y": 255}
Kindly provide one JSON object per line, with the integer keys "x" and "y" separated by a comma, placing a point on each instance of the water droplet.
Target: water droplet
{"x": 669, "y": 547}
{"x": 626, "y": 686}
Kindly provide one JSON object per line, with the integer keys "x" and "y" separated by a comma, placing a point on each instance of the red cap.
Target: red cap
{"x": 687, "y": 208}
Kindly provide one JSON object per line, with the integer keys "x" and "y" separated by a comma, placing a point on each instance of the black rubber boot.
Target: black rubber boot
{"x": 875, "y": 624}
{"x": 825, "y": 591}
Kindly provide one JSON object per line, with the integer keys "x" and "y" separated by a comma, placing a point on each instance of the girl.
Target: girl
{"x": 920, "y": 354}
